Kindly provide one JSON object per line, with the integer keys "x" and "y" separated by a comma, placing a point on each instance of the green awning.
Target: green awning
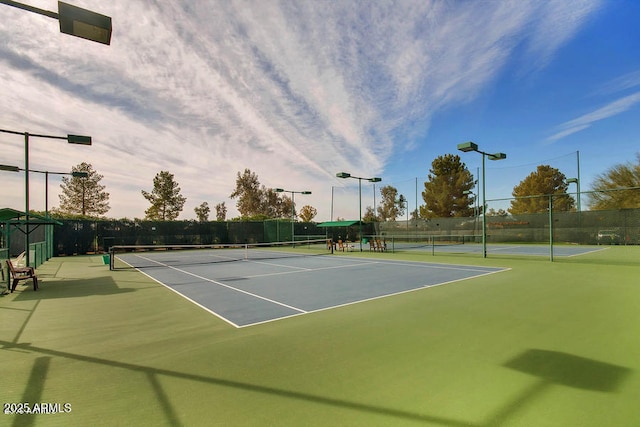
{"x": 337, "y": 223}
{"x": 13, "y": 216}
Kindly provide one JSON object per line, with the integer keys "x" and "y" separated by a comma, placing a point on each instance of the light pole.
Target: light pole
{"x": 348, "y": 175}
{"x": 46, "y": 190}
{"x": 71, "y": 139}
{"x": 46, "y": 180}
{"x": 293, "y": 208}
{"x": 74, "y": 20}
{"x": 465, "y": 147}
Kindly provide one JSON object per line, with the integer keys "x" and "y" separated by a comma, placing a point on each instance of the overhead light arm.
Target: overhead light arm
{"x": 74, "y": 21}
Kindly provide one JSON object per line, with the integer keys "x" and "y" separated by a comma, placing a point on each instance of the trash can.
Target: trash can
{"x": 106, "y": 259}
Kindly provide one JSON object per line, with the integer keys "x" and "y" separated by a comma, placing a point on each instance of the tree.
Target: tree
{"x": 256, "y": 201}
{"x": 202, "y": 212}
{"x": 283, "y": 207}
{"x": 248, "y": 194}
{"x": 390, "y": 206}
{"x": 165, "y": 198}
{"x": 447, "y": 191}
{"x": 307, "y": 213}
{"x": 221, "y": 212}
{"x": 369, "y": 215}
{"x": 272, "y": 205}
{"x": 608, "y": 186}
{"x": 543, "y": 182}
{"x": 84, "y": 196}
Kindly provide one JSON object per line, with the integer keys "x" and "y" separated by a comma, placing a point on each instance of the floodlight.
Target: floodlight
{"x": 343, "y": 175}
{"x": 375, "y": 179}
{"x": 468, "y": 146}
{"x": 9, "y": 168}
{"x": 497, "y": 156}
{"x": 79, "y": 139}
{"x": 84, "y": 23}
{"x": 79, "y": 174}
{"x": 74, "y": 20}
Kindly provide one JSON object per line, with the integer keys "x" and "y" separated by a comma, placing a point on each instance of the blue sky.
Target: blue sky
{"x": 297, "y": 91}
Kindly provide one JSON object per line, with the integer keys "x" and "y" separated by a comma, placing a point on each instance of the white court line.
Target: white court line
{"x": 304, "y": 270}
{"x": 417, "y": 288}
{"x": 363, "y": 261}
{"x": 589, "y": 252}
{"x": 224, "y": 285}
{"x": 367, "y": 261}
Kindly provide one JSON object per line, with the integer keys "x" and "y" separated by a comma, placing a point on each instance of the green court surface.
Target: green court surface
{"x": 542, "y": 344}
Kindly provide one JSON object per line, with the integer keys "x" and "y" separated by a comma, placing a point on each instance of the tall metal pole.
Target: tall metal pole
{"x": 472, "y": 146}
{"x": 578, "y": 183}
{"x": 360, "y": 209}
{"x": 551, "y": 227}
{"x": 293, "y": 217}
{"x": 484, "y": 211}
{"x": 332, "y": 203}
{"x": 26, "y": 196}
{"x": 47, "y": 227}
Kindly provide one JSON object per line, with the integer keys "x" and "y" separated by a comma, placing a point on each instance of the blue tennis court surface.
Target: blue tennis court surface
{"x": 250, "y": 292}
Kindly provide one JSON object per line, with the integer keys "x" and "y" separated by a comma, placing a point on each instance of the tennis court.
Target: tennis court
{"x": 473, "y": 245}
{"x": 274, "y": 283}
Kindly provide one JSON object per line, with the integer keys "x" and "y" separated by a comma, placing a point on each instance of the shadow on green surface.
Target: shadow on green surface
{"x": 569, "y": 370}
{"x": 553, "y": 368}
{"x": 70, "y": 288}
{"x": 171, "y": 413}
{"x": 33, "y": 391}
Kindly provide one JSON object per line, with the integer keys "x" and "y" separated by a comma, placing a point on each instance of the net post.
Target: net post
{"x": 330, "y": 243}
{"x": 111, "y": 261}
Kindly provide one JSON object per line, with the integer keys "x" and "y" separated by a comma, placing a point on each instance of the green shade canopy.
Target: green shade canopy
{"x": 13, "y": 216}
{"x": 337, "y": 223}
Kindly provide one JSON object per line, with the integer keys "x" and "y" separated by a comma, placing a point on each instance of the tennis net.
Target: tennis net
{"x": 400, "y": 243}
{"x": 151, "y": 256}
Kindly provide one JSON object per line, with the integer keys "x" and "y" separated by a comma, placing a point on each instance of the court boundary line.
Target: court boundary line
{"x": 406, "y": 291}
{"x": 588, "y": 252}
{"x": 300, "y": 312}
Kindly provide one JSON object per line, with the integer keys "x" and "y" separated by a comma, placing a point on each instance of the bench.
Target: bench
{"x": 22, "y": 273}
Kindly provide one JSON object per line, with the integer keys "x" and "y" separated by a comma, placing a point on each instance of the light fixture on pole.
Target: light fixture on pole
{"x": 74, "y": 21}
{"x": 293, "y": 211}
{"x": 71, "y": 139}
{"x": 46, "y": 189}
{"x": 348, "y": 175}
{"x": 466, "y": 147}
{"x": 46, "y": 180}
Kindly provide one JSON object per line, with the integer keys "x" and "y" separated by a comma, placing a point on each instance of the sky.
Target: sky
{"x": 297, "y": 91}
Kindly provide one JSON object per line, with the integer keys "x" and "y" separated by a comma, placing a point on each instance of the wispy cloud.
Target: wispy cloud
{"x": 621, "y": 84}
{"x": 295, "y": 91}
{"x": 585, "y": 121}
